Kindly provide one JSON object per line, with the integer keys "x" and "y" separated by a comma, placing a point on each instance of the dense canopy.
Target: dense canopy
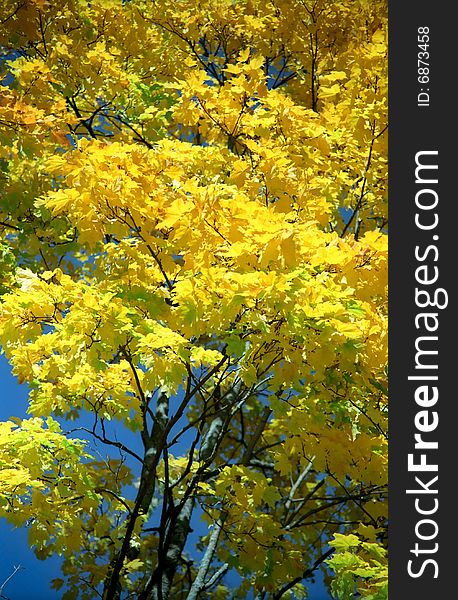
{"x": 193, "y": 263}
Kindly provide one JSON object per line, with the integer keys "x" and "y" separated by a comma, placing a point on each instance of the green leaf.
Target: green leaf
{"x": 57, "y": 583}
{"x": 344, "y": 542}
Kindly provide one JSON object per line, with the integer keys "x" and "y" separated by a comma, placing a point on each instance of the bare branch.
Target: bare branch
{"x": 8, "y": 579}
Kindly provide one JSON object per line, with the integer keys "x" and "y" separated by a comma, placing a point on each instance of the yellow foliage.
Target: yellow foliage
{"x": 193, "y": 250}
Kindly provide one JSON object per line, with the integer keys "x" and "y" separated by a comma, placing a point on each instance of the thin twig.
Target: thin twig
{"x": 8, "y": 579}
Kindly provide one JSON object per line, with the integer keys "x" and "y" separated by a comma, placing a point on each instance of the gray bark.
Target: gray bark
{"x": 199, "y": 582}
{"x": 160, "y": 583}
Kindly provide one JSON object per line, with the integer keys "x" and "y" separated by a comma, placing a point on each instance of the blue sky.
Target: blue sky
{"x": 32, "y": 581}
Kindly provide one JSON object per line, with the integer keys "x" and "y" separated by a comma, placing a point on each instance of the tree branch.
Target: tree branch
{"x": 305, "y": 574}
{"x": 9, "y": 578}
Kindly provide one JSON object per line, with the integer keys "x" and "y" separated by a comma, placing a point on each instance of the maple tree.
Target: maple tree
{"x": 193, "y": 267}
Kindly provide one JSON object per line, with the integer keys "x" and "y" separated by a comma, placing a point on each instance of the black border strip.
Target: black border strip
{"x": 423, "y": 131}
